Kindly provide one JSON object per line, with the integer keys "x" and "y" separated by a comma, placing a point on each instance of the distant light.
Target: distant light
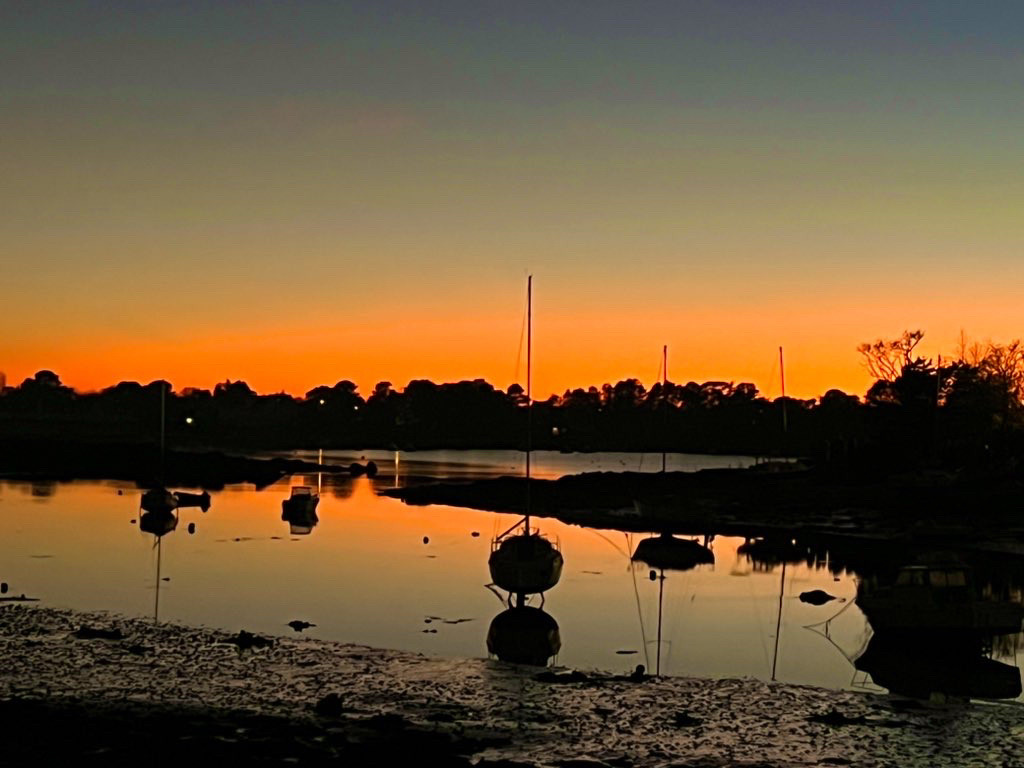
{"x": 188, "y": 419}
{"x": 355, "y": 407}
{"x": 322, "y": 401}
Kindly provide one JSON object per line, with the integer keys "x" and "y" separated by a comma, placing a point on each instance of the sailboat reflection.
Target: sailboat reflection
{"x": 524, "y": 634}
{"x": 162, "y": 519}
{"x": 933, "y": 633}
{"x": 159, "y": 521}
{"x": 668, "y": 553}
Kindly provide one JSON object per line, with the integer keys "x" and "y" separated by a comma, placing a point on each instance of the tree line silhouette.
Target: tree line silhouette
{"x": 919, "y": 412}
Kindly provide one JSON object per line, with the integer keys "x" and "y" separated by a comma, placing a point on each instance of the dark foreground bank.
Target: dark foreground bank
{"x": 93, "y": 689}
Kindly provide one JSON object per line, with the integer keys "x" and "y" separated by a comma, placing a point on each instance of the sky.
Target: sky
{"x": 297, "y": 193}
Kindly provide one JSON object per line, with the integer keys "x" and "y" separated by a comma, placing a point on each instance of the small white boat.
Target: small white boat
{"x": 299, "y": 510}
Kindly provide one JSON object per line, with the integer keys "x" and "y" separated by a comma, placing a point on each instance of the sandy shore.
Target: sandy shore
{"x": 160, "y": 694}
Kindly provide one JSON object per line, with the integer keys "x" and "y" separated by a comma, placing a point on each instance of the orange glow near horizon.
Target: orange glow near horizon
{"x": 571, "y": 349}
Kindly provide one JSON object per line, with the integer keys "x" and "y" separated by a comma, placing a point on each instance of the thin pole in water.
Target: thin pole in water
{"x": 661, "y": 599}
{"x": 156, "y": 605}
{"x": 778, "y": 622}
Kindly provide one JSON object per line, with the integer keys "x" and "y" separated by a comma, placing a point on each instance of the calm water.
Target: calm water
{"x": 377, "y": 572}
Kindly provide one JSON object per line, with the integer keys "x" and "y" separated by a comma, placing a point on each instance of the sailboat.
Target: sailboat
{"x": 523, "y": 562}
{"x": 159, "y": 500}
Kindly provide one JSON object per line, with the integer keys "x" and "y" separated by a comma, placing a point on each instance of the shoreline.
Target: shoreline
{"x": 192, "y": 690}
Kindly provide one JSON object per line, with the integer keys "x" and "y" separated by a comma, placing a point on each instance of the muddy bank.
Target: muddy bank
{"x": 747, "y": 501}
{"x": 158, "y": 694}
{"x": 140, "y": 464}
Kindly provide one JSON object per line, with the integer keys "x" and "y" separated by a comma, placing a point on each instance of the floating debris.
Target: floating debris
{"x": 298, "y": 625}
{"x": 3, "y": 588}
{"x": 626, "y": 653}
{"x": 816, "y": 597}
{"x": 475, "y": 534}
{"x": 426, "y": 539}
{"x": 191, "y": 527}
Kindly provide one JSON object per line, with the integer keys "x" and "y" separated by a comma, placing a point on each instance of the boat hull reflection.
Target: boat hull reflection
{"x": 524, "y": 635}
{"x": 670, "y": 553}
{"x": 917, "y": 668}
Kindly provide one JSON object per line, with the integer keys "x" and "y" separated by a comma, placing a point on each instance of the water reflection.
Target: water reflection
{"x": 716, "y": 622}
{"x": 158, "y": 522}
{"x": 524, "y": 634}
{"x": 299, "y": 510}
{"x": 160, "y": 516}
{"x": 767, "y": 553}
{"x": 934, "y": 632}
{"x": 665, "y": 552}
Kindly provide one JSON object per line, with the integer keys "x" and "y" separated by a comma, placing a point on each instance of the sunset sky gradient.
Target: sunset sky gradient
{"x": 297, "y": 193}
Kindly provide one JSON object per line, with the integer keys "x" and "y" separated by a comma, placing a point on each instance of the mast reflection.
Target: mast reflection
{"x": 160, "y": 516}
{"x": 665, "y": 552}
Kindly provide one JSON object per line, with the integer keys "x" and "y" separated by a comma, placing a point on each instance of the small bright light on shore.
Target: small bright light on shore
{"x": 322, "y": 402}
{"x": 355, "y": 407}
{"x": 188, "y": 419}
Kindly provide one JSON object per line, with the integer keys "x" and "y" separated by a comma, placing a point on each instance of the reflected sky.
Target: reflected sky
{"x": 375, "y": 570}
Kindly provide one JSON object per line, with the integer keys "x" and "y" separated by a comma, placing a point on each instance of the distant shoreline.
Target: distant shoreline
{"x": 142, "y": 464}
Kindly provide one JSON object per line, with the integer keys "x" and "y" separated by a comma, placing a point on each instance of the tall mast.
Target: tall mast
{"x": 664, "y": 390}
{"x": 163, "y": 422}
{"x": 529, "y": 390}
{"x": 782, "y": 376}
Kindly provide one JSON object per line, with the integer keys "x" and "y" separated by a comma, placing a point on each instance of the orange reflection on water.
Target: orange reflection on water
{"x": 365, "y": 575}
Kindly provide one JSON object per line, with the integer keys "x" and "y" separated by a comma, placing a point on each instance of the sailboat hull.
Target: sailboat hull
{"x": 525, "y": 564}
